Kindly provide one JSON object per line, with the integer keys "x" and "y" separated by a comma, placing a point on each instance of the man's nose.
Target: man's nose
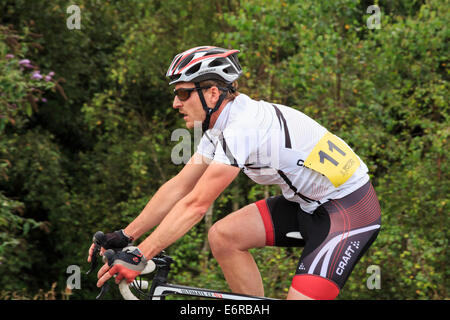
{"x": 176, "y": 103}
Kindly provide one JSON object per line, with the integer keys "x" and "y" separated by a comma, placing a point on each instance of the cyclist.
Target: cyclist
{"x": 327, "y": 205}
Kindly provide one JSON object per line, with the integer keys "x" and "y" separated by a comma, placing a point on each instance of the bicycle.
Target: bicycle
{"x": 159, "y": 288}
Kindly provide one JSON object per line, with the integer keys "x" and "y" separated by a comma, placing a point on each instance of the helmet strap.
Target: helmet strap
{"x": 209, "y": 111}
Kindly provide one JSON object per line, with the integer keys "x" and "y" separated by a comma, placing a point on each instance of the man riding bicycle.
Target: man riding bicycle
{"x": 328, "y": 205}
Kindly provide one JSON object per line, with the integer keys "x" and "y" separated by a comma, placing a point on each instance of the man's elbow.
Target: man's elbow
{"x": 198, "y": 206}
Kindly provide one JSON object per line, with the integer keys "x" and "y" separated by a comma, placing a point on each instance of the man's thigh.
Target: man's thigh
{"x": 280, "y": 218}
{"x": 268, "y": 222}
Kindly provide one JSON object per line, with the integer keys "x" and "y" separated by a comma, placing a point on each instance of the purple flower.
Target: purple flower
{"x": 47, "y": 78}
{"x": 24, "y": 61}
{"x": 29, "y": 65}
{"x": 44, "y": 100}
{"x": 9, "y": 56}
{"x": 36, "y": 75}
{"x": 51, "y": 74}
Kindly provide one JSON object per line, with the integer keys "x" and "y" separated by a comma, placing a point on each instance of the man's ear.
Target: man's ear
{"x": 214, "y": 95}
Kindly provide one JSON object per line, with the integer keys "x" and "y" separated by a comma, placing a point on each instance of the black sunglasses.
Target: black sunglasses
{"x": 185, "y": 93}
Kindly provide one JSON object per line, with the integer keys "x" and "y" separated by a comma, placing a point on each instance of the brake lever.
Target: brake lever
{"x": 103, "y": 291}
{"x": 105, "y": 287}
{"x": 94, "y": 258}
{"x": 98, "y": 239}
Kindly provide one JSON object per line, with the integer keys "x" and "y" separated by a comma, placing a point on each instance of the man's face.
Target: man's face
{"x": 191, "y": 108}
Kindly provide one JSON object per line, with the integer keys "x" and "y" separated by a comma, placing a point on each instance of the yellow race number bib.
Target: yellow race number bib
{"x": 333, "y": 158}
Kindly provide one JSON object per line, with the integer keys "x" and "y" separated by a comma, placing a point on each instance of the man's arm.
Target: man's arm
{"x": 185, "y": 214}
{"x": 191, "y": 209}
{"x": 167, "y": 196}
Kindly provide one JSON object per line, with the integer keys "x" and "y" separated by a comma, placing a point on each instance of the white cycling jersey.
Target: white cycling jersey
{"x": 275, "y": 144}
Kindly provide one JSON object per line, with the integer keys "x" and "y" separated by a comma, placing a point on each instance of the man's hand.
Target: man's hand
{"x": 128, "y": 264}
{"x": 116, "y": 240}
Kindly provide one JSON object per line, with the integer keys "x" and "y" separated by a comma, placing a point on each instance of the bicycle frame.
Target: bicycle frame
{"x": 160, "y": 288}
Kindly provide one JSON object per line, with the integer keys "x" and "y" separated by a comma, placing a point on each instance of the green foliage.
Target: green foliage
{"x": 85, "y": 150}
{"x": 16, "y": 250}
{"x": 22, "y": 90}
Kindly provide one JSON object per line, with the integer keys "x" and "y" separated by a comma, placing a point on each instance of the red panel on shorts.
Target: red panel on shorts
{"x": 315, "y": 287}
{"x": 267, "y": 219}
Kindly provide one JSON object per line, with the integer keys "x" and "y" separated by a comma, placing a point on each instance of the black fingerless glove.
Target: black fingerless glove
{"x": 114, "y": 240}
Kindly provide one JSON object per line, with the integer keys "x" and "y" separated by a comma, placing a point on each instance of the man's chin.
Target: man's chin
{"x": 193, "y": 124}
{"x": 189, "y": 125}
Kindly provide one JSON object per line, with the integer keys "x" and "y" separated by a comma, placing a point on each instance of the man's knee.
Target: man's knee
{"x": 219, "y": 237}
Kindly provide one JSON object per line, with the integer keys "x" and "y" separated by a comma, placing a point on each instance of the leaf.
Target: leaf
{"x": 28, "y": 109}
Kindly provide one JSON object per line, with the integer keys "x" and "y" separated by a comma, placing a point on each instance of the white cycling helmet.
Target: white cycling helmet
{"x": 205, "y": 63}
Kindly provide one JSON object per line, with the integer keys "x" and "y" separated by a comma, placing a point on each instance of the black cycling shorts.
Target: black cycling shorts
{"x": 334, "y": 237}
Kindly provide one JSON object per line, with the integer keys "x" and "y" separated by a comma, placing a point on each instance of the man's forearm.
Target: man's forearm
{"x": 183, "y": 216}
{"x": 156, "y": 209}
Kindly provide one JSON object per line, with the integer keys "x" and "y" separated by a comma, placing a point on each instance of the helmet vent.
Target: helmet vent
{"x": 228, "y": 70}
{"x": 175, "y": 77}
{"x": 215, "y": 63}
{"x": 193, "y": 69}
{"x": 178, "y": 60}
{"x": 186, "y": 61}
